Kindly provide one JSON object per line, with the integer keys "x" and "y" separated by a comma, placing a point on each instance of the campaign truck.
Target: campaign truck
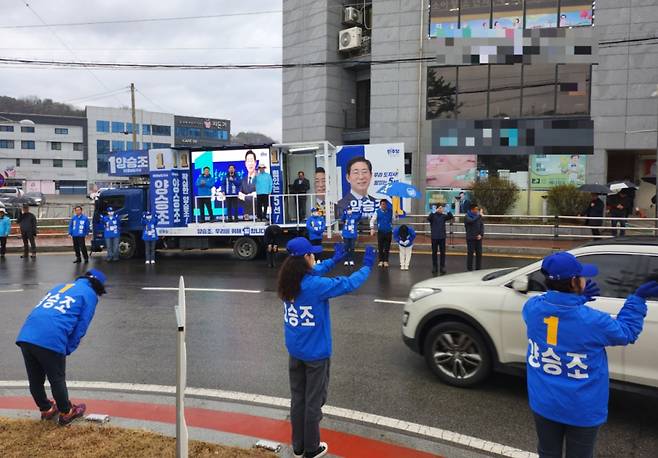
{"x": 214, "y": 197}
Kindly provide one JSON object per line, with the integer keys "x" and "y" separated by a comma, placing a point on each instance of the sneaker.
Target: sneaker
{"x": 321, "y": 451}
{"x": 86, "y": 260}
{"x": 346, "y": 263}
{"x": 152, "y": 262}
{"x": 50, "y": 413}
{"x": 298, "y": 454}
{"x": 147, "y": 262}
{"x": 385, "y": 264}
{"x": 443, "y": 271}
{"x": 380, "y": 264}
{"x": 77, "y": 261}
{"x": 351, "y": 263}
{"x": 74, "y": 413}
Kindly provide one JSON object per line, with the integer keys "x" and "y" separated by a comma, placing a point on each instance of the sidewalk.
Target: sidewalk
{"x": 240, "y": 420}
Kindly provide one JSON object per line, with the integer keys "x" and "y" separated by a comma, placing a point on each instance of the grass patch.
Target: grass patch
{"x": 28, "y": 438}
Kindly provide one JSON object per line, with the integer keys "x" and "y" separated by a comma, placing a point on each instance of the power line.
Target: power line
{"x": 99, "y": 95}
{"x": 159, "y": 107}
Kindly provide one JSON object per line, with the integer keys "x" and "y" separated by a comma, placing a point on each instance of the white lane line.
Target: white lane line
{"x": 11, "y": 290}
{"x": 385, "y": 301}
{"x": 338, "y": 412}
{"x": 212, "y": 290}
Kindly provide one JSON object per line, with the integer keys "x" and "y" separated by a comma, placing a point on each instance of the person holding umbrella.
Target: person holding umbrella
{"x": 594, "y": 210}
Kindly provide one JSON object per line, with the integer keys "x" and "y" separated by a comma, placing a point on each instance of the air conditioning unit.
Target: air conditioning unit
{"x": 352, "y": 16}
{"x": 349, "y": 39}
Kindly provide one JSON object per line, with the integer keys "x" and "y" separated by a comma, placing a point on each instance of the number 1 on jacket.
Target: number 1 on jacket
{"x": 551, "y": 330}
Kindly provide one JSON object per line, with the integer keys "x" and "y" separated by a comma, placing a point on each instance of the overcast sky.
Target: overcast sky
{"x": 251, "y": 99}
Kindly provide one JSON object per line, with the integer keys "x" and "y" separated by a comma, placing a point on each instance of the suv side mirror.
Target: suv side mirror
{"x": 520, "y": 284}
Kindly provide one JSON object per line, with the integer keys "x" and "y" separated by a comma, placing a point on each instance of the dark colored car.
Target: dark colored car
{"x": 35, "y": 199}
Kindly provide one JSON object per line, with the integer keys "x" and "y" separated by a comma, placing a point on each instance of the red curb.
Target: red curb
{"x": 342, "y": 444}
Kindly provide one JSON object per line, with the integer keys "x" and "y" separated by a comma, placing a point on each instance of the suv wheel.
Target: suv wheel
{"x": 457, "y": 354}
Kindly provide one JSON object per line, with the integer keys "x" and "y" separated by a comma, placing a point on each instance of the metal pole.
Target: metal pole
{"x": 181, "y": 375}
{"x": 132, "y": 100}
{"x": 656, "y": 167}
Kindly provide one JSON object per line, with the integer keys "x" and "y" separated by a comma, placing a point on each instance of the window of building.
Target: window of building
{"x": 118, "y": 127}
{"x": 408, "y": 163}
{"x": 575, "y": 13}
{"x": 444, "y": 17}
{"x": 102, "y": 126}
{"x": 61, "y": 131}
{"x": 573, "y": 83}
{"x": 540, "y": 14}
{"x": 538, "y": 90}
{"x": 505, "y": 91}
{"x": 146, "y": 129}
{"x": 475, "y": 14}
{"x": 146, "y": 145}
{"x": 118, "y": 145}
{"x": 81, "y": 164}
{"x": 131, "y": 147}
{"x": 27, "y": 144}
{"x": 36, "y": 161}
{"x": 6, "y": 128}
{"x": 161, "y": 145}
{"x": 18, "y": 162}
{"x": 27, "y": 129}
{"x": 102, "y": 156}
{"x": 191, "y": 132}
{"x": 72, "y": 187}
{"x": 58, "y": 163}
{"x": 7, "y": 144}
{"x": 215, "y": 134}
{"x": 473, "y": 85}
{"x": 363, "y": 104}
{"x": 507, "y": 14}
{"x": 56, "y": 146}
{"x": 441, "y": 92}
{"x": 161, "y": 130}
{"x": 129, "y": 127}
{"x": 78, "y": 147}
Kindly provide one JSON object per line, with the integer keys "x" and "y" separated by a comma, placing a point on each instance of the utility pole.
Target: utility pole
{"x": 132, "y": 99}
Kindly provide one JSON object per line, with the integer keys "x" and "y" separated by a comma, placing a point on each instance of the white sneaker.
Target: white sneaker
{"x": 346, "y": 263}
{"x": 322, "y": 450}
{"x": 147, "y": 262}
{"x": 351, "y": 263}
{"x": 152, "y": 262}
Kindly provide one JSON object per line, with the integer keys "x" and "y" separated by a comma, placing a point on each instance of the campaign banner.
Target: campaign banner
{"x": 450, "y": 170}
{"x": 360, "y": 182}
{"x": 129, "y": 163}
{"x": 547, "y": 171}
{"x": 276, "y": 201}
{"x": 169, "y": 194}
{"x": 162, "y": 159}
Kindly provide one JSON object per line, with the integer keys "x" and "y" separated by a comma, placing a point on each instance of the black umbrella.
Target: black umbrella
{"x": 594, "y": 188}
{"x": 649, "y": 179}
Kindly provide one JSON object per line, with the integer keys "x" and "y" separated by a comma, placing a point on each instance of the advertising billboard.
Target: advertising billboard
{"x": 450, "y": 170}
{"x": 547, "y": 171}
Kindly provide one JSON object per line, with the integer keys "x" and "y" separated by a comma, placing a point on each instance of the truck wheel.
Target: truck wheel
{"x": 245, "y": 248}
{"x": 127, "y": 246}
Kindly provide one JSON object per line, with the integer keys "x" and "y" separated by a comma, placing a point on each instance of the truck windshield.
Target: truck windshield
{"x": 102, "y": 204}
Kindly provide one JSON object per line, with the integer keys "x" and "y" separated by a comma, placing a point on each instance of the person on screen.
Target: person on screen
{"x": 247, "y": 191}
{"x": 359, "y": 176}
{"x": 232, "y": 187}
{"x": 204, "y": 185}
{"x": 320, "y": 189}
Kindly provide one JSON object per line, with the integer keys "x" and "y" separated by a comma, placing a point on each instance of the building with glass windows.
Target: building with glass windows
{"x": 541, "y": 92}
{"x": 193, "y": 131}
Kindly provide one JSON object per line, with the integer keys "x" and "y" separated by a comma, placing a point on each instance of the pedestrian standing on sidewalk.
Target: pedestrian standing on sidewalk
{"x": 78, "y": 230}
{"x": 382, "y": 218}
{"x": 149, "y": 236}
{"x": 307, "y": 326}
{"x": 567, "y": 370}
{"x": 5, "y": 229}
{"x": 28, "y": 224}
{"x": 474, "y": 234}
{"x": 595, "y": 210}
{"x": 405, "y": 236}
{"x": 51, "y": 332}
{"x": 437, "y": 219}
{"x": 350, "y": 234}
{"x": 315, "y": 227}
{"x": 111, "y": 233}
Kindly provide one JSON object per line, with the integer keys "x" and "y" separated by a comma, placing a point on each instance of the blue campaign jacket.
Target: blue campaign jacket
{"x": 79, "y": 226}
{"x": 307, "y": 321}
{"x": 409, "y": 240}
{"x": 204, "y": 185}
{"x": 5, "y": 226}
{"x": 384, "y": 219}
{"x": 263, "y": 183}
{"x": 61, "y": 319}
{"x": 149, "y": 233}
{"x": 315, "y": 227}
{"x": 232, "y": 186}
{"x": 111, "y": 226}
{"x": 567, "y": 363}
{"x": 351, "y": 225}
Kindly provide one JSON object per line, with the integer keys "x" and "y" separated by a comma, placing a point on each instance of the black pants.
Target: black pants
{"x": 474, "y": 247}
{"x": 552, "y": 435}
{"x": 302, "y": 207}
{"x": 621, "y": 223}
{"x": 440, "y": 246}
{"x": 80, "y": 247}
{"x": 596, "y": 231}
{"x": 232, "y": 208}
{"x": 28, "y": 238}
{"x": 262, "y": 202}
{"x": 383, "y": 245}
{"x": 3, "y": 245}
{"x": 41, "y": 363}
{"x": 309, "y": 384}
{"x": 205, "y": 203}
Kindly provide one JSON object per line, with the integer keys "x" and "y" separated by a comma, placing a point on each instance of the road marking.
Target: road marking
{"x": 338, "y": 412}
{"x": 11, "y": 290}
{"x": 385, "y": 301}
{"x": 212, "y": 290}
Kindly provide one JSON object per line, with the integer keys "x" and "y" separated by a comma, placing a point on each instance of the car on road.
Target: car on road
{"x": 35, "y": 199}
{"x": 468, "y": 325}
{"x": 9, "y": 192}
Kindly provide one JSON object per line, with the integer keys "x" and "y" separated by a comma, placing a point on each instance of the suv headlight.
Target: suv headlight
{"x": 419, "y": 293}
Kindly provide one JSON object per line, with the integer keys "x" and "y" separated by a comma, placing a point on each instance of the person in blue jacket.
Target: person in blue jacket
{"x": 264, "y": 185}
{"x": 204, "y": 185}
{"x": 383, "y": 219}
{"x": 111, "y": 233}
{"x": 567, "y": 364}
{"x": 78, "y": 229}
{"x": 52, "y": 331}
{"x": 232, "y": 188}
{"x": 5, "y": 229}
{"x": 149, "y": 236}
{"x": 350, "y": 233}
{"x": 405, "y": 236}
{"x": 315, "y": 227}
{"x": 305, "y": 293}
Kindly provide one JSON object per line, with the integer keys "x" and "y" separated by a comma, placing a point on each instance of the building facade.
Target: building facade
{"x": 408, "y": 74}
{"x": 193, "y": 131}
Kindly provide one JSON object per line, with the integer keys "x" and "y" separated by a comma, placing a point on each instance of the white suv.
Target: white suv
{"x": 466, "y": 325}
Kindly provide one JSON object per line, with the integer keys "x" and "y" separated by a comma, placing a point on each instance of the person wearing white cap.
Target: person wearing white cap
{"x": 5, "y": 229}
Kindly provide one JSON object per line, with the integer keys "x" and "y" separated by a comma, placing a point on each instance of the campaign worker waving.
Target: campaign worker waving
{"x": 149, "y": 236}
{"x": 78, "y": 229}
{"x": 111, "y": 233}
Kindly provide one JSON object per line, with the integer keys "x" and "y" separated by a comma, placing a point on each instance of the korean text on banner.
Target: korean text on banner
{"x": 129, "y": 163}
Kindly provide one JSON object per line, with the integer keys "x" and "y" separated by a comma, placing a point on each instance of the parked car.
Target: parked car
{"x": 467, "y": 325}
{"x": 9, "y": 192}
{"x": 35, "y": 198}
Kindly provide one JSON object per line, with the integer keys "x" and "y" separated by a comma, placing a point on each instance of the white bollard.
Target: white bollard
{"x": 181, "y": 375}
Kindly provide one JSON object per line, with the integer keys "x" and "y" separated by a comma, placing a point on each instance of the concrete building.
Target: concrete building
{"x": 48, "y": 151}
{"x": 366, "y": 99}
{"x": 193, "y": 131}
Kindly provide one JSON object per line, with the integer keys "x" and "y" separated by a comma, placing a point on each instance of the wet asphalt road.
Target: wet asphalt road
{"x": 235, "y": 343}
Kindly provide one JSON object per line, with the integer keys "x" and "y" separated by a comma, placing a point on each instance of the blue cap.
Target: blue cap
{"x": 300, "y": 246}
{"x": 564, "y": 266}
{"x": 110, "y": 209}
{"x": 98, "y": 275}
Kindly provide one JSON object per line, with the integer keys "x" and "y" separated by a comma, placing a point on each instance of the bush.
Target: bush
{"x": 495, "y": 195}
{"x": 567, "y": 200}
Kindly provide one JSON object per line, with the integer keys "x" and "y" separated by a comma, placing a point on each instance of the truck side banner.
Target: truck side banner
{"x": 170, "y": 198}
